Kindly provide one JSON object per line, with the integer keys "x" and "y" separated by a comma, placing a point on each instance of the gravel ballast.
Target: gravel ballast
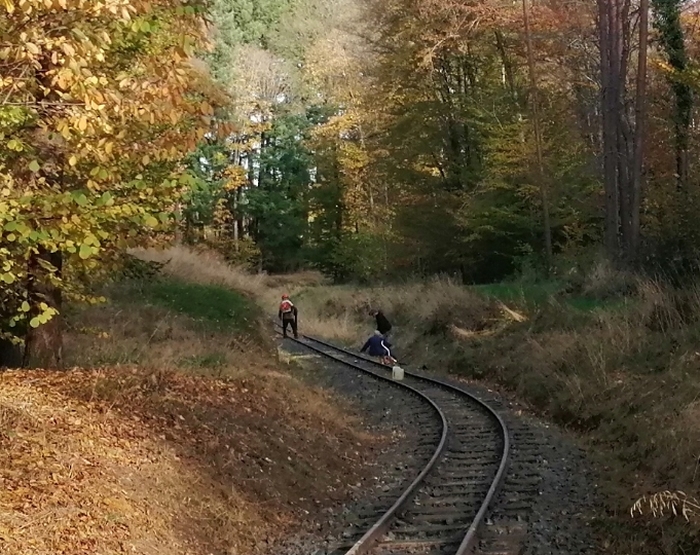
{"x": 549, "y": 495}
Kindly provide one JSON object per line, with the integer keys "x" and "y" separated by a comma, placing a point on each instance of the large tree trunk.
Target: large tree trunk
{"x": 620, "y": 52}
{"x": 614, "y": 34}
{"x": 609, "y": 135}
{"x": 44, "y": 344}
{"x": 623, "y": 142}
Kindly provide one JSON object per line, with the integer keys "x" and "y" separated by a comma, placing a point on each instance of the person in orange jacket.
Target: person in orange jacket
{"x": 288, "y": 313}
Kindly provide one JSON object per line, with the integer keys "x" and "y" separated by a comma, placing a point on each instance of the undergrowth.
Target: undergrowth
{"x": 218, "y": 308}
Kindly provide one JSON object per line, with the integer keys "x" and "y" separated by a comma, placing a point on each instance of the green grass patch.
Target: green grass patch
{"x": 209, "y": 361}
{"x": 588, "y": 304}
{"x": 532, "y": 294}
{"x": 216, "y": 307}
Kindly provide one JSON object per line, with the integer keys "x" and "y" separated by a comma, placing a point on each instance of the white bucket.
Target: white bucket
{"x": 397, "y": 373}
{"x": 283, "y": 356}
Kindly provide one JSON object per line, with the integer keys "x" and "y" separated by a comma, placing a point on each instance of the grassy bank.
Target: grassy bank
{"x": 177, "y": 432}
{"x": 610, "y": 357}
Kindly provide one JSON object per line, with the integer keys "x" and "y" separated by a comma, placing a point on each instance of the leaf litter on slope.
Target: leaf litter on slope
{"x": 124, "y": 460}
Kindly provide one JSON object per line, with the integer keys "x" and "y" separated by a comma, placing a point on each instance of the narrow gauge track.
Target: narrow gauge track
{"x": 442, "y": 509}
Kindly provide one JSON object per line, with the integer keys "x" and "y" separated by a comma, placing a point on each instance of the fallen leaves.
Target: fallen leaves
{"x": 128, "y": 461}
{"x": 58, "y": 460}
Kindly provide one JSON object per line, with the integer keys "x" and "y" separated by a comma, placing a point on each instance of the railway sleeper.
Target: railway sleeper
{"x": 473, "y": 450}
{"x": 458, "y": 457}
{"x": 456, "y": 485}
{"x": 426, "y": 530}
{"x": 422, "y": 547}
{"x": 450, "y": 517}
{"x": 448, "y": 500}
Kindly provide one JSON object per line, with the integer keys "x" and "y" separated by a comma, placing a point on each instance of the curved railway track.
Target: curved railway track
{"x": 442, "y": 509}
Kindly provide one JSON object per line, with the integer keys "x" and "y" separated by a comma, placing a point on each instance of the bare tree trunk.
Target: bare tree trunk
{"x": 507, "y": 65}
{"x": 625, "y": 136}
{"x": 236, "y": 246}
{"x": 179, "y": 223}
{"x": 44, "y": 344}
{"x": 538, "y": 138}
{"x": 640, "y": 129}
{"x": 608, "y": 34}
{"x": 622, "y": 143}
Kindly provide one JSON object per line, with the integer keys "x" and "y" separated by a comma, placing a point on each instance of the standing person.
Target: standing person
{"x": 383, "y": 324}
{"x": 379, "y": 347}
{"x": 288, "y": 313}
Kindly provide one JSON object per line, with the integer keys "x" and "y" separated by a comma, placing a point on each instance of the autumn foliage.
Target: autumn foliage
{"x": 99, "y": 102}
{"x": 484, "y": 139}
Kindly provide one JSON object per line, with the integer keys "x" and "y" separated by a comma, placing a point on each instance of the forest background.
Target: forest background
{"x": 380, "y": 140}
{"x": 369, "y": 140}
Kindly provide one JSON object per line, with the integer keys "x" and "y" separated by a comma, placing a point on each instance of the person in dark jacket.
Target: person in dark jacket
{"x": 383, "y": 325}
{"x": 378, "y": 346}
{"x": 288, "y": 313}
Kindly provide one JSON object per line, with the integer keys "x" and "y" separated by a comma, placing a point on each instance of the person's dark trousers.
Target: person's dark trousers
{"x": 287, "y": 322}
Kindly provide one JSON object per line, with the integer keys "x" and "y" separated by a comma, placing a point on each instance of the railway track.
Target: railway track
{"x": 467, "y": 446}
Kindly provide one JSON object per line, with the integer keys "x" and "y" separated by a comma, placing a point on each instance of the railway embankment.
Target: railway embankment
{"x": 609, "y": 358}
{"x": 613, "y": 364}
{"x": 545, "y": 501}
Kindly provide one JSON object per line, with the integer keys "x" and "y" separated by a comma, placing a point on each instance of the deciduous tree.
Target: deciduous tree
{"x": 99, "y": 102}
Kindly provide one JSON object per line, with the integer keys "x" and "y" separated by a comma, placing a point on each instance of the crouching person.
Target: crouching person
{"x": 378, "y": 346}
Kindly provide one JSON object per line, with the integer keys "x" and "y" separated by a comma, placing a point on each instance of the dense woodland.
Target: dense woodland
{"x": 371, "y": 139}
{"x": 479, "y": 139}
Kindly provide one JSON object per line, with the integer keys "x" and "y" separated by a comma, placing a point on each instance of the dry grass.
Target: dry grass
{"x": 339, "y": 313}
{"x": 207, "y": 267}
{"x": 418, "y": 311}
{"x": 666, "y": 503}
{"x": 152, "y": 337}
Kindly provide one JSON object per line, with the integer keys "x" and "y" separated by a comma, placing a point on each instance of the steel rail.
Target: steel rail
{"x": 380, "y": 527}
{"x": 365, "y": 543}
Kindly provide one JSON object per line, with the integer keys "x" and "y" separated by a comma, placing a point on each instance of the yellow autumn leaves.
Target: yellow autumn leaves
{"x": 98, "y": 107}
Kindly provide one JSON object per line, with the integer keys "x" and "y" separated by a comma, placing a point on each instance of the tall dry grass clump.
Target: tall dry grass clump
{"x": 203, "y": 266}
{"x": 429, "y": 309}
{"x": 207, "y": 267}
{"x": 605, "y": 281}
